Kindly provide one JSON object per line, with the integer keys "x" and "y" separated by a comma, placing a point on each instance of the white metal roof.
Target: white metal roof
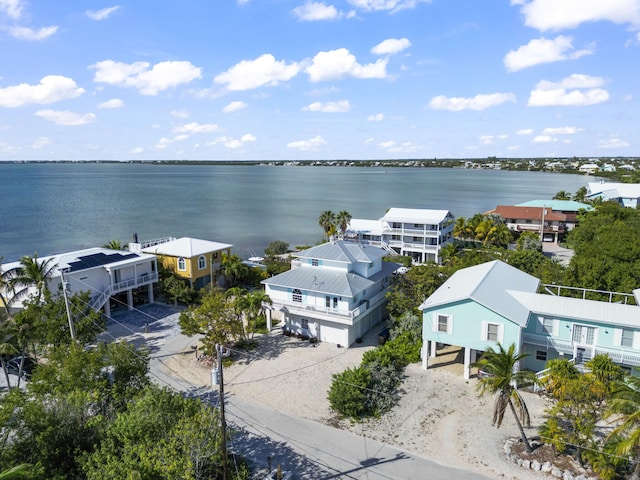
{"x": 487, "y": 284}
{"x": 615, "y": 190}
{"x": 415, "y": 215}
{"x": 186, "y": 247}
{"x": 579, "y": 309}
{"x": 363, "y": 226}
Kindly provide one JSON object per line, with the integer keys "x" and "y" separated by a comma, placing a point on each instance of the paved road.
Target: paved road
{"x": 309, "y": 449}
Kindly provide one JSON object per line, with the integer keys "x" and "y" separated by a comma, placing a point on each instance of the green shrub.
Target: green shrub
{"x": 347, "y": 394}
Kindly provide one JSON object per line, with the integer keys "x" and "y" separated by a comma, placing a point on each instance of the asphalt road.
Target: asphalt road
{"x": 310, "y": 450}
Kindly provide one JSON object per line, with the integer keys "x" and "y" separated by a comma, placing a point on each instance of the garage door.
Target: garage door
{"x": 334, "y": 334}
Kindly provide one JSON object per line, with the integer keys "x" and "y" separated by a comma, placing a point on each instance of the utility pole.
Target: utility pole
{"x": 218, "y": 379}
{"x": 72, "y": 328}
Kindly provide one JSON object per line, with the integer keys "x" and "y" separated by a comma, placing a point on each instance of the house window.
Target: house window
{"x": 182, "y": 265}
{"x": 335, "y": 302}
{"x": 444, "y": 324}
{"x": 396, "y": 225}
{"x": 304, "y": 323}
{"x": 547, "y": 325}
{"x": 314, "y": 262}
{"x": 202, "y": 262}
{"x": 626, "y": 338}
{"x": 492, "y": 332}
{"x": 296, "y": 296}
{"x": 541, "y": 355}
{"x": 327, "y": 301}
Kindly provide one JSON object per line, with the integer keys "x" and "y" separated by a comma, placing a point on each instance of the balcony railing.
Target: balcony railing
{"x": 618, "y": 355}
{"x": 333, "y": 314}
{"x": 100, "y": 299}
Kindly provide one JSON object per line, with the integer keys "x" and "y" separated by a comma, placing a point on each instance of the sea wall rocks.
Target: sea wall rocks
{"x": 547, "y": 467}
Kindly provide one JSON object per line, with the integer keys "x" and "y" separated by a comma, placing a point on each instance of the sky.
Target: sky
{"x": 318, "y": 80}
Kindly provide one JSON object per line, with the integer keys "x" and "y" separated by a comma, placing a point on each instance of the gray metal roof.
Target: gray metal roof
{"x": 341, "y": 251}
{"x": 321, "y": 280}
{"x": 487, "y": 284}
{"x": 579, "y": 309}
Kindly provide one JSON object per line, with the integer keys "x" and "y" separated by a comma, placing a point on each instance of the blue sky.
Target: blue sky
{"x": 356, "y": 79}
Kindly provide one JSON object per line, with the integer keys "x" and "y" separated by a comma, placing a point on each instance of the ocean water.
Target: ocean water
{"x": 51, "y": 208}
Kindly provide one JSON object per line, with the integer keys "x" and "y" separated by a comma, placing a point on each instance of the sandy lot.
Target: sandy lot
{"x": 439, "y": 416}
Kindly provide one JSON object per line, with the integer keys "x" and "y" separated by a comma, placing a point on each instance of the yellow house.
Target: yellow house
{"x": 193, "y": 259}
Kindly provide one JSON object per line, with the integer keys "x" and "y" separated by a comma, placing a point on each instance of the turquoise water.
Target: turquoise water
{"x": 52, "y": 208}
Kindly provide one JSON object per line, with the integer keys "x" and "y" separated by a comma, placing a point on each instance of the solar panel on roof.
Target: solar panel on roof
{"x": 98, "y": 259}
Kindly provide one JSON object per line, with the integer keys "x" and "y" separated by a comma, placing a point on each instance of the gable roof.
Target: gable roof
{"x": 186, "y": 247}
{"x": 341, "y": 251}
{"x": 415, "y": 215}
{"x": 487, "y": 285}
{"x": 579, "y": 309}
{"x": 321, "y": 280}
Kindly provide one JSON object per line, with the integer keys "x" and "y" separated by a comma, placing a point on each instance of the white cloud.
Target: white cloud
{"x": 525, "y": 131}
{"x": 248, "y": 137}
{"x": 479, "y": 102}
{"x": 51, "y": 89}
{"x": 137, "y": 150}
{"x": 340, "y": 106}
{"x": 306, "y": 145}
{"x": 378, "y": 117}
{"x": 234, "y": 143}
{"x": 194, "y": 127}
{"x": 563, "y": 14}
{"x": 41, "y": 143}
{"x": 394, "y": 147}
{"x": 66, "y": 118}
{"x": 542, "y": 50}
{"x": 613, "y": 143}
{"x": 486, "y": 139}
{"x": 544, "y": 139}
{"x": 102, "y": 14}
{"x": 335, "y": 64}
{"x": 9, "y": 149}
{"x": 12, "y": 8}
{"x": 250, "y": 74}
{"x": 180, "y": 114}
{"x": 314, "y": 11}
{"x": 561, "y": 131}
{"x": 148, "y": 81}
{"x": 392, "y": 5}
{"x": 574, "y": 90}
{"x": 391, "y": 46}
{"x": 26, "y": 33}
{"x": 112, "y": 103}
{"x": 234, "y": 107}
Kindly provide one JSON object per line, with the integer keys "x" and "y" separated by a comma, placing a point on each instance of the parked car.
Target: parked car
{"x": 29, "y": 364}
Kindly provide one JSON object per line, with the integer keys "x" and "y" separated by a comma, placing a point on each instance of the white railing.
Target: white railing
{"x": 99, "y": 300}
{"x": 549, "y": 288}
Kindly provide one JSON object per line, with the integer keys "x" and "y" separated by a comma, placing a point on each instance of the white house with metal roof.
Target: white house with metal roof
{"x": 334, "y": 292}
{"x": 102, "y": 272}
{"x": 492, "y": 303}
{"x": 626, "y": 194}
{"x": 414, "y": 232}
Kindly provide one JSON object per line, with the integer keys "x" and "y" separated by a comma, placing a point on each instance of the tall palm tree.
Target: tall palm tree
{"x": 562, "y": 195}
{"x": 342, "y": 219}
{"x": 5, "y": 286}
{"x": 327, "y": 221}
{"x": 114, "y": 245}
{"x": 581, "y": 194}
{"x": 502, "y": 368}
{"x": 625, "y": 403}
{"x": 255, "y": 301}
{"x": 32, "y": 273}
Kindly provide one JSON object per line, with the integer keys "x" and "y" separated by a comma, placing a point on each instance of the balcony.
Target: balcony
{"x": 621, "y": 355}
{"x": 346, "y": 317}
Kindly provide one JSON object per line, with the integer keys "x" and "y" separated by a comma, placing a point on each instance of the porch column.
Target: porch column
{"x": 267, "y": 313}
{"x": 425, "y": 354}
{"x": 467, "y": 363}
{"x": 433, "y": 348}
{"x": 150, "y": 292}
{"x": 130, "y": 299}
{"x": 107, "y": 307}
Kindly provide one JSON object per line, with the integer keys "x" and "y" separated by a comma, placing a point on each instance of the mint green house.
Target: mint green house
{"x": 493, "y": 303}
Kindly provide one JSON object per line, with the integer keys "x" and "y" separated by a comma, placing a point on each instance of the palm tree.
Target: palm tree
{"x": 625, "y": 403}
{"x": 255, "y": 301}
{"x": 327, "y": 221}
{"x": 342, "y": 219}
{"x": 19, "y": 471}
{"x": 114, "y": 245}
{"x": 5, "y": 286}
{"x": 32, "y": 273}
{"x": 503, "y": 373}
{"x": 459, "y": 228}
{"x": 581, "y": 194}
{"x": 562, "y": 195}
